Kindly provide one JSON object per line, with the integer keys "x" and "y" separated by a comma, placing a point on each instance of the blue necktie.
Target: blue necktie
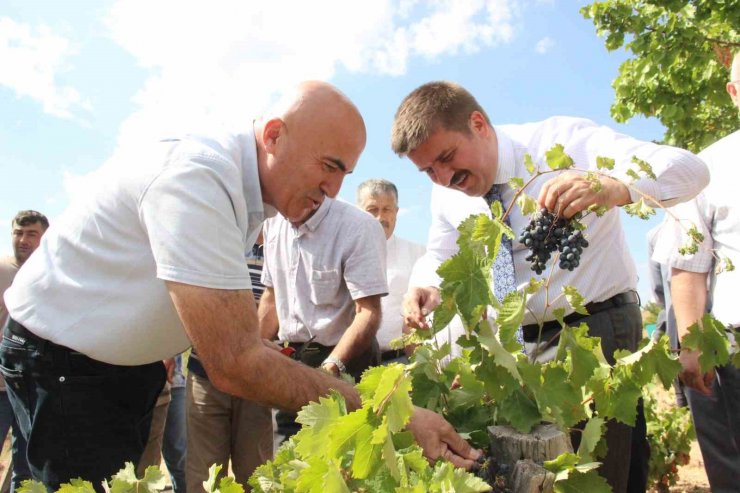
{"x": 504, "y": 277}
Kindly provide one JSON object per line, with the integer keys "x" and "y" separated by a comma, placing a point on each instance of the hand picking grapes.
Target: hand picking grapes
{"x": 546, "y": 233}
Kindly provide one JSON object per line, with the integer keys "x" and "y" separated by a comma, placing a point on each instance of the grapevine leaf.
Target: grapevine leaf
{"x": 520, "y": 410}
{"x": 389, "y": 457}
{"x": 516, "y": 183}
{"x": 633, "y": 174}
{"x": 604, "y": 163}
{"x": 210, "y": 483}
{"x": 711, "y": 340}
{"x": 497, "y": 380}
{"x": 527, "y": 205}
{"x": 125, "y": 480}
{"x": 316, "y": 419}
{"x": 444, "y": 313}
{"x": 562, "y": 464}
{"x": 354, "y": 432}
{"x": 653, "y": 359}
{"x": 229, "y": 485}
{"x": 585, "y": 353}
{"x": 557, "y": 159}
{"x": 639, "y": 209}
{"x": 534, "y": 285}
{"x": 593, "y": 179}
{"x": 509, "y": 319}
{"x": 617, "y": 398}
{"x": 469, "y": 279}
{"x": 575, "y": 299}
{"x": 529, "y": 164}
{"x": 447, "y": 478}
{"x": 724, "y": 265}
{"x": 501, "y": 356}
{"x": 644, "y": 167}
{"x": 76, "y": 485}
{"x": 367, "y": 386}
{"x": 32, "y": 486}
{"x": 577, "y": 482}
{"x": 597, "y": 209}
{"x": 560, "y": 398}
{"x": 590, "y": 437}
{"x": 559, "y": 314}
{"x": 393, "y": 392}
{"x": 470, "y": 392}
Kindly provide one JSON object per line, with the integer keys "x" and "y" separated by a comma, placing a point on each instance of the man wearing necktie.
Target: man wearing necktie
{"x": 445, "y": 132}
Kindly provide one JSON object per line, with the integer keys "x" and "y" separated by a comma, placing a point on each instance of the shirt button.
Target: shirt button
{"x": 62, "y": 379}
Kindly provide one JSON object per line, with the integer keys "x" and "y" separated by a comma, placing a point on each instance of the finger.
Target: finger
{"x": 548, "y": 195}
{"x": 458, "y": 461}
{"x": 457, "y": 444}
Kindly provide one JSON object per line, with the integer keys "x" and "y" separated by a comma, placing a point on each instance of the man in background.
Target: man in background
{"x": 714, "y": 396}
{"x": 27, "y": 229}
{"x": 379, "y": 198}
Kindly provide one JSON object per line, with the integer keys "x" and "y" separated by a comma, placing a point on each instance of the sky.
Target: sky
{"x": 83, "y": 80}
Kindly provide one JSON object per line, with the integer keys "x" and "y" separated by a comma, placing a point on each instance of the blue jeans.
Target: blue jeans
{"x": 175, "y": 443}
{"x": 8, "y": 421}
{"x": 81, "y": 417}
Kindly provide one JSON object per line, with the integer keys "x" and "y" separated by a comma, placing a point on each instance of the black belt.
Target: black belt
{"x": 550, "y": 328}
{"x": 391, "y": 354}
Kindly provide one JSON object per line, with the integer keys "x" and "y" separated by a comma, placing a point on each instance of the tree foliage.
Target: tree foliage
{"x": 681, "y": 52}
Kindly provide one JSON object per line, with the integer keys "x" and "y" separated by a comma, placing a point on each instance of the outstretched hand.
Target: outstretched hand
{"x": 439, "y": 440}
{"x": 417, "y": 304}
{"x": 570, "y": 193}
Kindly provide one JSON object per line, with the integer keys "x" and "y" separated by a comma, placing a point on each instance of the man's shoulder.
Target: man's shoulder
{"x": 725, "y": 149}
{"x": 8, "y": 269}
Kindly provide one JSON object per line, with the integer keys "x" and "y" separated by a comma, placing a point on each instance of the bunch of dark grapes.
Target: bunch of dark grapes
{"x": 493, "y": 473}
{"x": 545, "y": 234}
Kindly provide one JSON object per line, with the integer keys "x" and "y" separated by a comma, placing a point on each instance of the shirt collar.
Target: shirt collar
{"x": 314, "y": 221}
{"x": 506, "y": 157}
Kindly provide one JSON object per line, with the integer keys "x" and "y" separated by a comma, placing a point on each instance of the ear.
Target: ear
{"x": 478, "y": 123}
{"x": 271, "y": 134}
{"x": 732, "y": 90}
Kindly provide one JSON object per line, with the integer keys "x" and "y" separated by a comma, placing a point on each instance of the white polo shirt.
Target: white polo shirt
{"x": 96, "y": 284}
{"x": 318, "y": 269}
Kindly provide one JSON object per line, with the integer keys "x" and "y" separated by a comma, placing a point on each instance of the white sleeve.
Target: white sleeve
{"x": 673, "y": 235}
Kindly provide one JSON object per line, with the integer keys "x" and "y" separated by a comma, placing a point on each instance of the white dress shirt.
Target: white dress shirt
{"x": 317, "y": 269}
{"x": 400, "y": 259}
{"x": 606, "y": 266}
{"x": 716, "y": 214}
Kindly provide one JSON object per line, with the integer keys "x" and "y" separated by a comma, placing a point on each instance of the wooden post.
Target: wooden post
{"x": 525, "y": 453}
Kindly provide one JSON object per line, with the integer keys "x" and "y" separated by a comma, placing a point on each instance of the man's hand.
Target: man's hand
{"x": 570, "y": 193}
{"x": 169, "y": 367}
{"x": 439, "y": 440}
{"x": 417, "y": 304}
{"x": 691, "y": 374}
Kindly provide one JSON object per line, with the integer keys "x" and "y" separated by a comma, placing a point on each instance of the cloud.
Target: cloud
{"x": 31, "y": 59}
{"x": 544, "y": 45}
{"x": 215, "y": 61}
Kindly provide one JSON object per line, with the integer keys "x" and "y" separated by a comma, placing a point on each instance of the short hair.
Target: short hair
{"x": 29, "y": 217}
{"x": 377, "y": 186}
{"x": 435, "y": 104}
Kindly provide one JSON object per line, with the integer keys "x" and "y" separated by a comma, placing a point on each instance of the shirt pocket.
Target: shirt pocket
{"x": 324, "y": 286}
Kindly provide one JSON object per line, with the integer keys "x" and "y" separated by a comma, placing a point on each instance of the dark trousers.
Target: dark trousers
{"x": 313, "y": 355}
{"x": 19, "y": 464}
{"x": 625, "y": 466}
{"x": 81, "y": 417}
{"x": 717, "y": 423}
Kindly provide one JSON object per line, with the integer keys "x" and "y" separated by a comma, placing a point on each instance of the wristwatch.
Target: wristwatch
{"x": 337, "y": 362}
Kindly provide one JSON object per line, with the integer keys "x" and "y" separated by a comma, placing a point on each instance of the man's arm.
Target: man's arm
{"x": 267, "y": 315}
{"x": 689, "y": 297}
{"x": 222, "y": 324}
{"x": 359, "y": 336}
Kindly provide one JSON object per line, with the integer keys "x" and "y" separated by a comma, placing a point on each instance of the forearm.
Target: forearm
{"x": 222, "y": 324}
{"x": 267, "y": 315}
{"x": 689, "y": 298}
{"x": 359, "y": 336}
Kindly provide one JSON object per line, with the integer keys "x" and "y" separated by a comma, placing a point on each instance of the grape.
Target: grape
{"x": 493, "y": 473}
{"x": 546, "y": 234}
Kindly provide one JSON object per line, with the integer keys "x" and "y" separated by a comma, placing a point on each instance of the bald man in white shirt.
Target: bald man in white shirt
{"x": 714, "y": 397}
{"x": 445, "y": 132}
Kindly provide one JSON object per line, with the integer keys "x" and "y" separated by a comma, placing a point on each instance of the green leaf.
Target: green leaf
{"x": 520, "y": 411}
{"x": 125, "y": 480}
{"x": 590, "y": 437}
{"x": 575, "y": 299}
{"x": 31, "y": 486}
{"x": 644, "y": 167}
{"x": 560, "y": 398}
{"x": 74, "y": 486}
{"x": 392, "y": 391}
{"x": 447, "y": 478}
{"x": 317, "y": 419}
{"x": 527, "y": 205}
{"x": 711, "y": 340}
{"x": 595, "y": 182}
{"x": 617, "y": 398}
{"x": 354, "y": 432}
{"x": 491, "y": 343}
{"x": 604, "y": 163}
{"x": 599, "y": 210}
{"x": 509, "y": 318}
{"x": 529, "y": 164}
{"x": 633, "y": 174}
{"x": 576, "y": 482}
{"x": 655, "y": 359}
{"x": 557, "y": 159}
{"x": 516, "y": 183}
{"x": 639, "y": 209}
